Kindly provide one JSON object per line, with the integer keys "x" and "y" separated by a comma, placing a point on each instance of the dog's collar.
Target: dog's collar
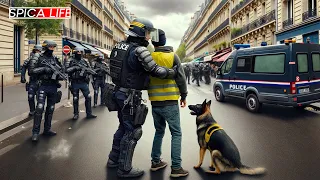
{"x": 213, "y": 128}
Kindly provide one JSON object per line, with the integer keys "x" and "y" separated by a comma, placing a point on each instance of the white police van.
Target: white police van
{"x": 286, "y": 74}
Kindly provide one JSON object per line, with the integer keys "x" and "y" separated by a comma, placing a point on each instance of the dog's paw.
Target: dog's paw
{"x": 213, "y": 172}
{"x": 197, "y": 166}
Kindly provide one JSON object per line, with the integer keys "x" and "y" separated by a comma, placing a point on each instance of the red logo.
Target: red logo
{"x": 297, "y": 78}
{"x": 40, "y": 13}
{"x": 66, "y": 49}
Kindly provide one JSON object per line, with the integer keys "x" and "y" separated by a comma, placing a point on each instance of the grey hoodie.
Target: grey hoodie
{"x": 180, "y": 78}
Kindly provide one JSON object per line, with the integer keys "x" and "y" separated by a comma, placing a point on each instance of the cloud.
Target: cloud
{"x": 172, "y": 16}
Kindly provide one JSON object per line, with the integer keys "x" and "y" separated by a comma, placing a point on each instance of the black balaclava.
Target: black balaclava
{"x": 48, "y": 52}
{"x": 77, "y": 56}
{"x": 138, "y": 40}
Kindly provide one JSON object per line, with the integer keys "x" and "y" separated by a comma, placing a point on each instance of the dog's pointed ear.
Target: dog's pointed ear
{"x": 209, "y": 103}
{"x": 204, "y": 102}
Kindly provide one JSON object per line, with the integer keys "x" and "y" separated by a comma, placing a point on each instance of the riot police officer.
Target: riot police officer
{"x": 32, "y": 85}
{"x": 101, "y": 68}
{"x": 41, "y": 65}
{"x": 196, "y": 73}
{"x": 206, "y": 73}
{"x": 130, "y": 66}
{"x": 187, "y": 72}
{"x": 79, "y": 72}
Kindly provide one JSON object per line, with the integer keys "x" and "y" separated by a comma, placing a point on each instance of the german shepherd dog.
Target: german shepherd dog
{"x": 225, "y": 156}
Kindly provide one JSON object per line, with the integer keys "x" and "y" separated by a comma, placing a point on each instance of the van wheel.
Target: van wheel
{"x": 252, "y": 103}
{"x": 218, "y": 94}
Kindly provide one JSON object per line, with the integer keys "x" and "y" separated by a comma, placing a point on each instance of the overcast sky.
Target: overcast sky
{"x": 172, "y": 16}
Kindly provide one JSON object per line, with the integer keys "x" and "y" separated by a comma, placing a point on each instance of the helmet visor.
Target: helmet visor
{"x": 154, "y": 35}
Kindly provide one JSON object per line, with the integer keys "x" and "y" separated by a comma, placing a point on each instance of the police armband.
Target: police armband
{"x": 141, "y": 114}
{"x": 108, "y": 98}
{"x": 59, "y": 95}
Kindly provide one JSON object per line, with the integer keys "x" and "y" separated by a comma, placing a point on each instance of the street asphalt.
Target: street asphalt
{"x": 284, "y": 141}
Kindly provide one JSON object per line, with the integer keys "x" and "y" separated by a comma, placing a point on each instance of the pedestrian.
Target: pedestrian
{"x": 99, "y": 79}
{"x": 130, "y": 66}
{"x": 79, "y": 71}
{"x": 187, "y": 72}
{"x": 165, "y": 107}
{"x": 48, "y": 90}
{"x": 33, "y": 85}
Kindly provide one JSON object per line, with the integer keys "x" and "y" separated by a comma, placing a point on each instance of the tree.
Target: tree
{"x": 38, "y": 27}
{"x": 181, "y": 51}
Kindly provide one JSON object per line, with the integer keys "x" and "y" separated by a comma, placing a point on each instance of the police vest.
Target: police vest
{"x": 121, "y": 73}
{"x": 163, "y": 89}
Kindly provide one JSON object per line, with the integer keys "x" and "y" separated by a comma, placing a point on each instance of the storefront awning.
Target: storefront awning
{"x": 208, "y": 58}
{"x": 74, "y": 44}
{"x": 92, "y": 49}
{"x": 107, "y": 52}
{"x": 223, "y": 58}
{"x": 214, "y": 58}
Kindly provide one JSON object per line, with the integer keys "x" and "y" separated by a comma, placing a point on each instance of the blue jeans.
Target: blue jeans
{"x": 161, "y": 115}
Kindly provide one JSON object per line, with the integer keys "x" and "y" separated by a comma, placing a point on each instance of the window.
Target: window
{"x": 243, "y": 64}
{"x": 255, "y": 14}
{"x": 316, "y": 62}
{"x": 263, "y": 8}
{"x": 247, "y": 18}
{"x": 302, "y": 63}
{"x": 227, "y": 66}
{"x": 269, "y": 64}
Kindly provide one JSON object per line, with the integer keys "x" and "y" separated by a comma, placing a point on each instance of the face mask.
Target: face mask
{"x": 49, "y": 52}
{"x": 77, "y": 56}
{"x": 150, "y": 47}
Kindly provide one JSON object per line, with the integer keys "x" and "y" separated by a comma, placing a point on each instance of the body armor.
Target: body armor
{"x": 120, "y": 71}
{"x": 76, "y": 75}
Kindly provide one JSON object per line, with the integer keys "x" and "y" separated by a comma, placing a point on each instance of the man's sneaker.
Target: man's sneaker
{"x": 157, "y": 166}
{"x": 178, "y": 172}
{"x": 131, "y": 174}
{"x": 112, "y": 164}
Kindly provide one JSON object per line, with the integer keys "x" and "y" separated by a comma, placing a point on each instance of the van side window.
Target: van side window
{"x": 316, "y": 62}
{"x": 227, "y": 66}
{"x": 273, "y": 64}
{"x": 302, "y": 63}
{"x": 243, "y": 64}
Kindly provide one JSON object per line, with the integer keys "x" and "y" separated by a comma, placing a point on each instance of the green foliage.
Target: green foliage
{"x": 235, "y": 30}
{"x": 38, "y": 27}
{"x": 181, "y": 51}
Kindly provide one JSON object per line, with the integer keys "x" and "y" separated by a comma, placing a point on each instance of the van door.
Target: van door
{"x": 314, "y": 51}
{"x": 303, "y": 73}
{"x": 226, "y": 75}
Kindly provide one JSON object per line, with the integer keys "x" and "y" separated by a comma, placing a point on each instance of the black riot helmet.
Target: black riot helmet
{"x": 46, "y": 45}
{"x": 141, "y": 27}
{"x": 99, "y": 56}
{"x": 37, "y": 47}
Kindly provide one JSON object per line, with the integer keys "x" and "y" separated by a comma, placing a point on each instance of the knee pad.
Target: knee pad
{"x": 41, "y": 96}
{"x": 75, "y": 98}
{"x": 30, "y": 97}
{"x": 51, "y": 109}
{"x": 40, "y": 107}
{"x": 137, "y": 133}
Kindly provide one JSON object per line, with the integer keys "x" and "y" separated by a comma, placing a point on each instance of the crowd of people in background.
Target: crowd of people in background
{"x": 200, "y": 72}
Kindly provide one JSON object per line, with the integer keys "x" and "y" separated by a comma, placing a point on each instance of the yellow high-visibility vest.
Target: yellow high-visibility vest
{"x": 163, "y": 89}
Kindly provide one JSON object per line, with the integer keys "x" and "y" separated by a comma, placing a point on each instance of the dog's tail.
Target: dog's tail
{"x": 252, "y": 171}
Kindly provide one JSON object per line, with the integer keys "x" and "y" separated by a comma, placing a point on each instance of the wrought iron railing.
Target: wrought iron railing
{"x": 86, "y": 11}
{"x": 71, "y": 33}
{"x": 108, "y": 30}
{"x": 222, "y": 3}
{"x": 240, "y": 5}
{"x": 83, "y": 37}
{"x": 201, "y": 43}
{"x": 108, "y": 12}
{"x": 201, "y": 30}
{"x": 5, "y": 2}
{"x": 99, "y": 2}
{"x": 118, "y": 24}
{"x": 219, "y": 28}
{"x": 287, "y": 23}
{"x": 262, "y": 20}
{"x": 118, "y": 9}
{"x": 309, "y": 14}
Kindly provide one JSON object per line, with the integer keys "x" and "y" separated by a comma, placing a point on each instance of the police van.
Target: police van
{"x": 286, "y": 74}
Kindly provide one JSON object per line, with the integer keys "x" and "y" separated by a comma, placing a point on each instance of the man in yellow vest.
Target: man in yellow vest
{"x": 164, "y": 95}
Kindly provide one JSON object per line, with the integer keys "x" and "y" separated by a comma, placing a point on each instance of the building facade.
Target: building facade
{"x": 95, "y": 25}
{"x": 298, "y": 19}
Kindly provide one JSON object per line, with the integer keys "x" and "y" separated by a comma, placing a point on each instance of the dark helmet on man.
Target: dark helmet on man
{"x": 48, "y": 43}
{"x": 78, "y": 49}
{"x": 141, "y": 27}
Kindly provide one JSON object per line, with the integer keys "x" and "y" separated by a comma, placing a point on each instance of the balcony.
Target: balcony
{"x": 71, "y": 33}
{"x": 108, "y": 12}
{"x": 201, "y": 43}
{"x": 222, "y": 3}
{"x": 108, "y": 30}
{"x": 99, "y": 2}
{"x": 78, "y": 5}
{"x": 287, "y": 23}
{"x": 5, "y": 2}
{"x": 219, "y": 28}
{"x": 201, "y": 30}
{"x": 119, "y": 26}
{"x": 261, "y": 21}
{"x": 78, "y": 35}
{"x": 240, "y": 5}
{"x": 309, "y": 14}
{"x": 83, "y": 37}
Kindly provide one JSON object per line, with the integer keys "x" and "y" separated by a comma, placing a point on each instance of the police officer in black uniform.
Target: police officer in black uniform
{"x": 101, "y": 68}
{"x": 187, "y": 72}
{"x": 206, "y": 73}
{"x": 196, "y": 73}
{"x": 32, "y": 85}
{"x": 40, "y": 66}
{"x": 79, "y": 71}
{"x": 130, "y": 66}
